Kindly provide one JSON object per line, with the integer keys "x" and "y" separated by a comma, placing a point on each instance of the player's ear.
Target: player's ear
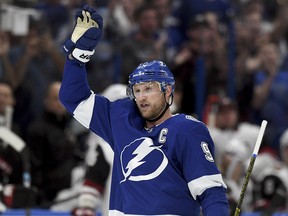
{"x": 169, "y": 90}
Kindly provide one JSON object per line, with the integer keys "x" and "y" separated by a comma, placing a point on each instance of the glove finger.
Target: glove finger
{"x": 78, "y": 13}
{"x": 91, "y": 21}
{"x": 88, "y": 15}
{"x": 98, "y": 19}
{"x": 86, "y": 7}
{"x": 85, "y": 19}
{"x": 89, "y": 9}
{"x": 95, "y": 24}
{"x": 79, "y": 20}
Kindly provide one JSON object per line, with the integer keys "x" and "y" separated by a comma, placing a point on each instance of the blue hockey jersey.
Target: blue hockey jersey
{"x": 164, "y": 170}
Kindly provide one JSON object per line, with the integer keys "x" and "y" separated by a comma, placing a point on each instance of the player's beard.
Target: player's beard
{"x": 154, "y": 111}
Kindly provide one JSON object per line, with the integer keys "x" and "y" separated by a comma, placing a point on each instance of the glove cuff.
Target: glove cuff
{"x": 82, "y": 56}
{"x": 68, "y": 46}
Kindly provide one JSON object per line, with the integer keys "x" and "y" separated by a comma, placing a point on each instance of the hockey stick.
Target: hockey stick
{"x": 12, "y": 139}
{"x": 250, "y": 167}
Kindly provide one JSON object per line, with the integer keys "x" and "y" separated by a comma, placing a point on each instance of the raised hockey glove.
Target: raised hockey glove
{"x": 85, "y": 36}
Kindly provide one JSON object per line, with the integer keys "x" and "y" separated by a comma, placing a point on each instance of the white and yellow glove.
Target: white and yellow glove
{"x": 85, "y": 36}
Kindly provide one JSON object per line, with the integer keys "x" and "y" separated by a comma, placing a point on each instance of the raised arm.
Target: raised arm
{"x": 79, "y": 49}
{"x": 74, "y": 87}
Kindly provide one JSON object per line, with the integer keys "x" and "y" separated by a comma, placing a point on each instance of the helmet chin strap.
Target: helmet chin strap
{"x": 163, "y": 111}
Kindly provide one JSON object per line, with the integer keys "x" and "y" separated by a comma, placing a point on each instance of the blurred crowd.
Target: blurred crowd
{"x": 229, "y": 59}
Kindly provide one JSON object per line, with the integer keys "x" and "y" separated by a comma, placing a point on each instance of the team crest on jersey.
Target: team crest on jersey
{"x": 141, "y": 160}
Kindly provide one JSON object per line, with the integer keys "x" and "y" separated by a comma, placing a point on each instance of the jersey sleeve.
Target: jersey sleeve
{"x": 214, "y": 202}
{"x": 74, "y": 87}
{"x": 196, "y": 151}
{"x": 80, "y": 101}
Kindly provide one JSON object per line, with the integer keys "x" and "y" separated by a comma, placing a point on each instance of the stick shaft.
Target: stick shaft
{"x": 245, "y": 184}
{"x": 250, "y": 166}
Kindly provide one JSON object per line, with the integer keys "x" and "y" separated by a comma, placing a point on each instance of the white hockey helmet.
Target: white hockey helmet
{"x": 115, "y": 92}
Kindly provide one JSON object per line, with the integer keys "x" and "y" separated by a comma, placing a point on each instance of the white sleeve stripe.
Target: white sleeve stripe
{"x": 83, "y": 112}
{"x": 199, "y": 185}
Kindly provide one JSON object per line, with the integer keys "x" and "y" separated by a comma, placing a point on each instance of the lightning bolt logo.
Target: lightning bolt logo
{"x": 144, "y": 149}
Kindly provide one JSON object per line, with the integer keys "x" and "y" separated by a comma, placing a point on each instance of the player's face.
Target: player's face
{"x": 149, "y": 99}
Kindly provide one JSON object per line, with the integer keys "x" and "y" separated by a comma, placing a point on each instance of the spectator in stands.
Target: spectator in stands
{"x": 38, "y": 62}
{"x": 270, "y": 187}
{"x": 270, "y": 87}
{"x": 52, "y": 148}
{"x": 6, "y": 68}
{"x": 168, "y": 25}
{"x": 228, "y": 127}
{"x": 145, "y": 43}
{"x": 122, "y": 18}
{"x": 252, "y": 30}
{"x": 11, "y": 162}
{"x": 186, "y": 10}
{"x": 234, "y": 142}
{"x": 54, "y": 14}
{"x": 14, "y": 156}
{"x": 164, "y": 11}
{"x": 204, "y": 52}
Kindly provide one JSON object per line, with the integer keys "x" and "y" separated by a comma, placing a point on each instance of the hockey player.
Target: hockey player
{"x": 163, "y": 163}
